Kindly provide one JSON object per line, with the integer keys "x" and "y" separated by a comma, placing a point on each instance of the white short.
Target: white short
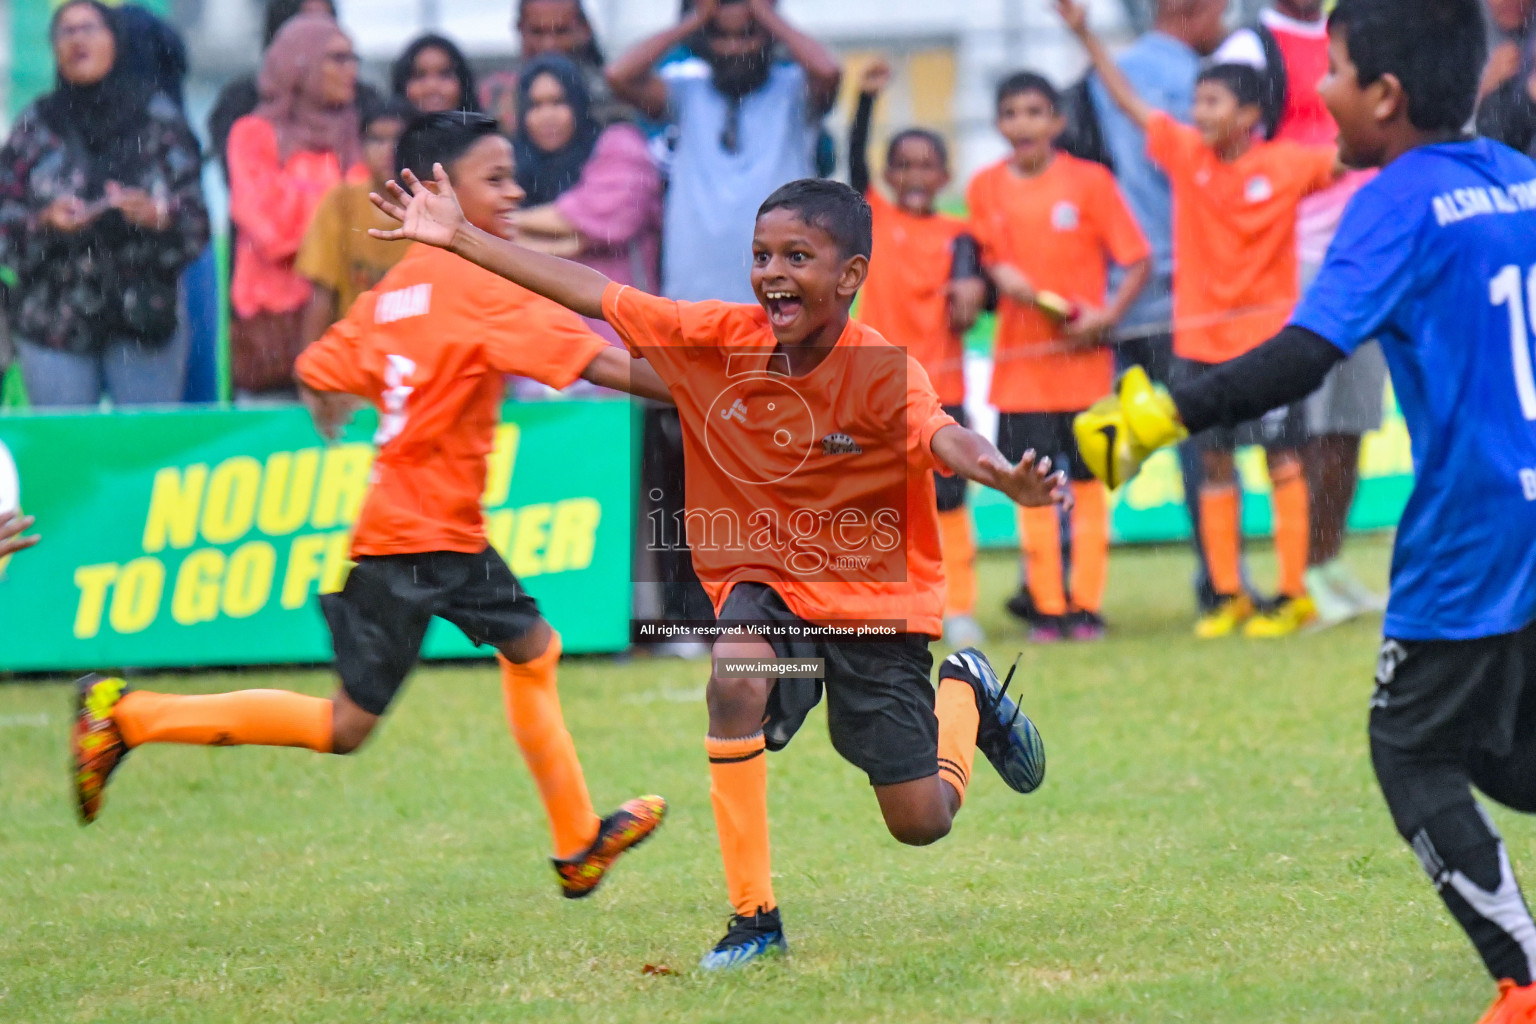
{"x": 1352, "y": 397}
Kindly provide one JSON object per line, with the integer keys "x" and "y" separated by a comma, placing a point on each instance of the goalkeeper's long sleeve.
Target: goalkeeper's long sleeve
{"x": 1286, "y": 368}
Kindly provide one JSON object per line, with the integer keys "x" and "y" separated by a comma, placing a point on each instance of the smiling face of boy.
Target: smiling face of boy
{"x": 802, "y": 279}
{"x": 487, "y": 188}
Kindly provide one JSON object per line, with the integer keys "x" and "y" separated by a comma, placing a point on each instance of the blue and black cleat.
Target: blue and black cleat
{"x": 1005, "y": 734}
{"x": 747, "y": 939}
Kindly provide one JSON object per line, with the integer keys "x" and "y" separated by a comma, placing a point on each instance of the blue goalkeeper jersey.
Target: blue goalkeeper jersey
{"x": 1437, "y": 258}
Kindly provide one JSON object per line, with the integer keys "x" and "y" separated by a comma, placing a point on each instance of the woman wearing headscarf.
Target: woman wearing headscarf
{"x": 594, "y": 194}
{"x": 101, "y": 207}
{"x": 303, "y": 139}
{"x": 553, "y": 27}
{"x": 240, "y": 96}
{"x": 433, "y": 75}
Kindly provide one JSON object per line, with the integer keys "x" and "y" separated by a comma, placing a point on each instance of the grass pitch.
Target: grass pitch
{"x": 1208, "y": 846}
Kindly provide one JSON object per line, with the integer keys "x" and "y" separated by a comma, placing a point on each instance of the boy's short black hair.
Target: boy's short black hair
{"x": 831, "y": 206}
{"x": 441, "y": 138}
{"x": 1435, "y": 48}
{"x": 1243, "y": 81}
{"x": 392, "y": 108}
{"x": 933, "y": 139}
{"x": 1021, "y": 82}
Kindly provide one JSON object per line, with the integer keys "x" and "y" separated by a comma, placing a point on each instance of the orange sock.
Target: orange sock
{"x": 1221, "y": 537}
{"x": 1090, "y": 544}
{"x": 263, "y": 718}
{"x": 738, "y": 787}
{"x": 1040, "y": 533}
{"x": 533, "y": 709}
{"x": 959, "y": 718}
{"x": 959, "y": 547}
{"x": 1291, "y": 506}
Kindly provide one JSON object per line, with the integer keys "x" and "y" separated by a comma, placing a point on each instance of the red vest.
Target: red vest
{"x": 1306, "y": 119}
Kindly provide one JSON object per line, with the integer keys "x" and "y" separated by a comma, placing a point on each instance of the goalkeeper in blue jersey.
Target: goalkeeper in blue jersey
{"x": 1437, "y": 258}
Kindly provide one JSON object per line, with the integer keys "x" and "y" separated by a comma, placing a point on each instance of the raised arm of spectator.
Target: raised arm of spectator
{"x": 1116, "y": 84}
{"x": 822, "y": 68}
{"x": 633, "y": 77}
{"x": 871, "y": 83}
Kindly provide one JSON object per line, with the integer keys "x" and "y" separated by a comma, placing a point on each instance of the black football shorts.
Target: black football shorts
{"x": 879, "y": 694}
{"x": 379, "y": 618}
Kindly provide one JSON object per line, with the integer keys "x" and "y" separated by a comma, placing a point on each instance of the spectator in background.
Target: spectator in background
{"x": 101, "y": 208}
{"x": 593, "y": 194}
{"x": 746, "y": 122}
{"x": 1508, "y": 114}
{"x": 338, "y": 257}
{"x": 153, "y": 51}
{"x": 1289, "y": 48}
{"x": 302, "y": 140}
{"x": 553, "y": 27}
{"x": 1509, "y": 34}
{"x": 433, "y": 75}
{"x": 240, "y": 96}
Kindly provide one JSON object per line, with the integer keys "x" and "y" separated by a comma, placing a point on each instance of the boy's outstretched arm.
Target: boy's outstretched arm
{"x": 1030, "y": 482}
{"x": 431, "y": 214}
{"x": 614, "y": 369}
{"x": 1118, "y": 86}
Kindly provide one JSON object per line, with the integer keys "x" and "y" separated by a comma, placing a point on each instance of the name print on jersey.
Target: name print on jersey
{"x": 403, "y": 303}
{"x": 1465, "y": 203}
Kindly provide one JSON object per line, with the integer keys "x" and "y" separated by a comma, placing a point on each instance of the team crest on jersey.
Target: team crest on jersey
{"x": 1258, "y": 189}
{"x": 1064, "y": 216}
{"x": 840, "y": 444}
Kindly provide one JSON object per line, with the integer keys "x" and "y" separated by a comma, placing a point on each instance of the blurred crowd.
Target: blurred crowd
{"x": 649, "y": 167}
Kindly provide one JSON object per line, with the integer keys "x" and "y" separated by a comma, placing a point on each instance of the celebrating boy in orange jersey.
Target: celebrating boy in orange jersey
{"x": 923, "y": 293}
{"x": 1235, "y": 282}
{"x": 810, "y": 444}
{"x": 1049, "y": 224}
{"x": 429, "y": 347}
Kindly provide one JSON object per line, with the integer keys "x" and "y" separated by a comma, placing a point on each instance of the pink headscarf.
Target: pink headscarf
{"x": 290, "y": 93}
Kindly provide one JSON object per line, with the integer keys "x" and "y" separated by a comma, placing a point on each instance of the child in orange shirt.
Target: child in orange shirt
{"x": 429, "y": 347}
{"x": 809, "y": 443}
{"x": 923, "y": 293}
{"x": 1049, "y": 224}
{"x": 1235, "y": 283}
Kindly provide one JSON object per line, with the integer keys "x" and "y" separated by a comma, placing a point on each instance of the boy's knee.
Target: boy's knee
{"x": 734, "y": 694}
{"x": 920, "y": 833}
{"x": 350, "y": 726}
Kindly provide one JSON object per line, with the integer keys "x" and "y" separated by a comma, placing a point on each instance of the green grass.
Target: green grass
{"x": 1209, "y": 846}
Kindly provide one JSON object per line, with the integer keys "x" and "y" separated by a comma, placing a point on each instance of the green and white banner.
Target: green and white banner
{"x": 201, "y": 537}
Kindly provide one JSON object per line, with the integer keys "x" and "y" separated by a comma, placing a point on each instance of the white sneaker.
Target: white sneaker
{"x": 963, "y": 631}
{"x": 1333, "y": 607}
{"x": 1348, "y": 585}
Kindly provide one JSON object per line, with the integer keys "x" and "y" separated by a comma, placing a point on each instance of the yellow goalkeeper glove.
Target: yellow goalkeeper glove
{"x": 1117, "y": 433}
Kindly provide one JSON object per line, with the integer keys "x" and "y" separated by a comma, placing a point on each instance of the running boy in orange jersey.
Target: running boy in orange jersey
{"x": 810, "y": 444}
{"x": 923, "y": 293}
{"x": 1235, "y": 282}
{"x": 429, "y": 347}
{"x": 1049, "y": 225}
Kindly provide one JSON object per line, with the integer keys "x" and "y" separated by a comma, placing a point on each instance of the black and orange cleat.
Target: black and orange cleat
{"x": 627, "y": 827}
{"x": 95, "y": 743}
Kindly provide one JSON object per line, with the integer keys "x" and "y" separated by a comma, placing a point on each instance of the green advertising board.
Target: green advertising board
{"x": 201, "y": 537}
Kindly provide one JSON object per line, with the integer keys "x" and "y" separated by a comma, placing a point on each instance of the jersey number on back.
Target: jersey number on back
{"x": 396, "y": 394}
{"x": 1510, "y": 288}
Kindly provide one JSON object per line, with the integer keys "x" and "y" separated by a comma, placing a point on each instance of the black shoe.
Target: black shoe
{"x": 1022, "y": 607}
{"x": 747, "y": 939}
{"x": 1086, "y": 626}
{"x": 1005, "y": 734}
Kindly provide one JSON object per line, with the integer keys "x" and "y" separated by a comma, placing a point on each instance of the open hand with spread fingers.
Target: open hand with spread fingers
{"x": 1029, "y": 482}
{"x": 428, "y": 213}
